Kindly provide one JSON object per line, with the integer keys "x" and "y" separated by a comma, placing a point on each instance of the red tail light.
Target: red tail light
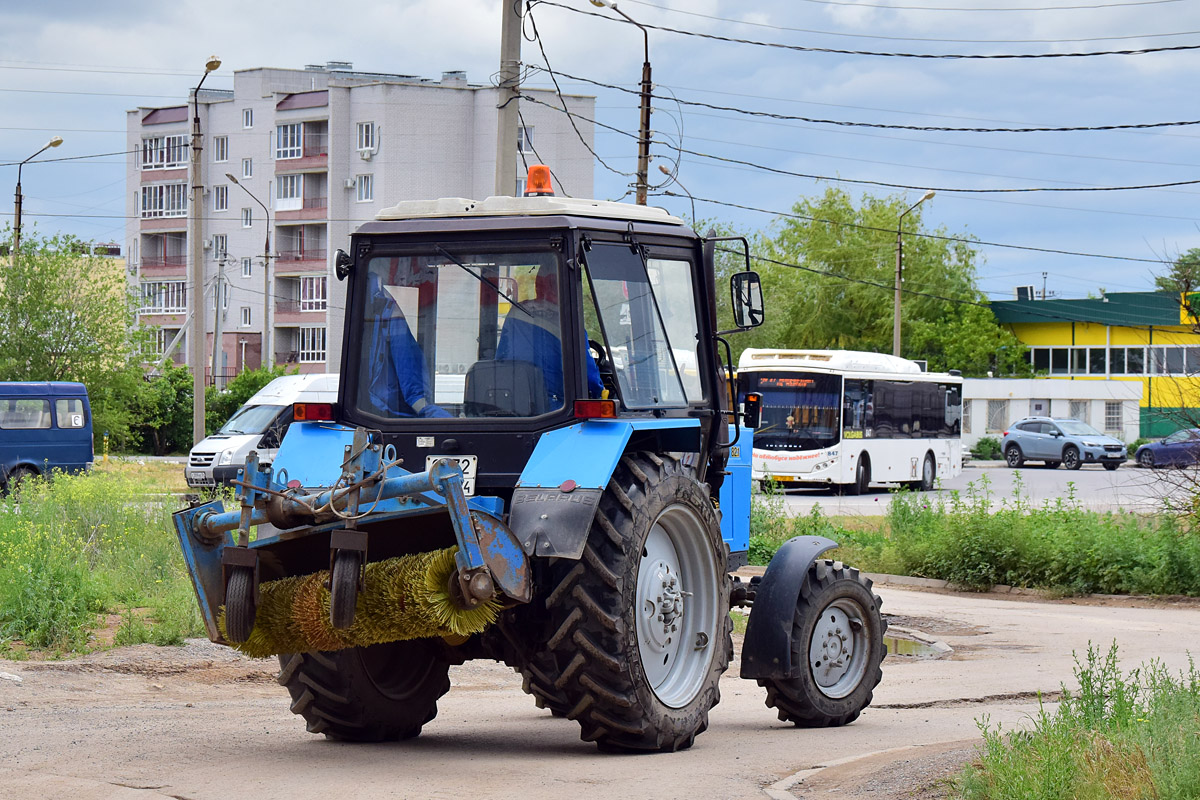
{"x": 1004, "y": 434}
{"x": 595, "y": 409}
{"x": 312, "y": 412}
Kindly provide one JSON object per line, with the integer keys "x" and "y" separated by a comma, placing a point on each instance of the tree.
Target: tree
{"x": 220, "y": 405}
{"x": 163, "y": 410}
{"x": 831, "y": 286}
{"x": 1183, "y": 281}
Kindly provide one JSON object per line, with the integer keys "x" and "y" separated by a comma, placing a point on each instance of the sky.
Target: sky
{"x": 73, "y": 68}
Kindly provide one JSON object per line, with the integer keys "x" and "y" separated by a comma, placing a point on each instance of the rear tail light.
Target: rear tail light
{"x": 595, "y": 409}
{"x": 1004, "y": 434}
{"x": 312, "y": 412}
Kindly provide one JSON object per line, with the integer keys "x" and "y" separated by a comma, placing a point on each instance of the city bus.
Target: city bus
{"x": 848, "y": 419}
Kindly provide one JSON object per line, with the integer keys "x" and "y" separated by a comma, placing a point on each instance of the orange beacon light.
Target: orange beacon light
{"x": 537, "y": 184}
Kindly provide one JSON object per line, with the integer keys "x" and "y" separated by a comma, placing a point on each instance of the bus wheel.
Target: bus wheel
{"x": 862, "y": 478}
{"x": 928, "y": 473}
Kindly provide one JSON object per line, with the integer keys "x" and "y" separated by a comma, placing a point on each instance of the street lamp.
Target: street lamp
{"x": 55, "y": 141}
{"x": 196, "y": 245}
{"x": 268, "y": 356}
{"x": 644, "y": 124}
{"x": 899, "y": 261}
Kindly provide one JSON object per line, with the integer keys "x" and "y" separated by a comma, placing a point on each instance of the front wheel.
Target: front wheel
{"x": 1146, "y": 459}
{"x": 837, "y": 635}
{"x": 1070, "y": 458}
{"x": 640, "y": 632}
{"x": 862, "y": 478}
{"x": 367, "y": 694}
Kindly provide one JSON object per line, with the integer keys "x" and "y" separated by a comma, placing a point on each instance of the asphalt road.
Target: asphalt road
{"x": 200, "y": 723}
{"x": 1129, "y": 488}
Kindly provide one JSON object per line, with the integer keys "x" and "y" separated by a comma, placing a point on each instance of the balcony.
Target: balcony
{"x": 151, "y": 261}
{"x": 303, "y": 254}
{"x": 321, "y": 203}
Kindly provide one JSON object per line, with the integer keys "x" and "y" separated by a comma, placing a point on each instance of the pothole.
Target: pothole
{"x": 906, "y": 642}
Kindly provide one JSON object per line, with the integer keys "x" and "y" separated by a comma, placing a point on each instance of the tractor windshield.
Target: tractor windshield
{"x": 455, "y": 333}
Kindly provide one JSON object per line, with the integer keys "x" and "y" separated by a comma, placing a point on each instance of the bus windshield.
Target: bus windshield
{"x": 800, "y": 410}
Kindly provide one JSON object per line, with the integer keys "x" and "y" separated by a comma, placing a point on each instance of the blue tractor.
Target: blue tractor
{"x": 532, "y": 459}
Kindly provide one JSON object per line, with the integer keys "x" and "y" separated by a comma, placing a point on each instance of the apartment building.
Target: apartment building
{"x": 312, "y": 154}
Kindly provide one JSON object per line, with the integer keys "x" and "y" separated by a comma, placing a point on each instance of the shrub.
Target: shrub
{"x": 987, "y": 449}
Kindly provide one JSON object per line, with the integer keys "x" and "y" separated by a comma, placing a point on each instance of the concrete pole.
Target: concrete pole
{"x": 16, "y": 244}
{"x": 507, "y": 119}
{"x": 217, "y": 320}
{"x": 899, "y": 270}
{"x": 195, "y": 237}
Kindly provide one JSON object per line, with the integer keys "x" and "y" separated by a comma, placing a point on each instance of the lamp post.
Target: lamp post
{"x": 55, "y": 141}
{"x": 644, "y": 123}
{"x": 196, "y": 245}
{"x": 268, "y": 356}
{"x": 899, "y": 263}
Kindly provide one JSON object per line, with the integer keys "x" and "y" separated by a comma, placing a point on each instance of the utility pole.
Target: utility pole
{"x": 507, "y": 118}
{"x": 268, "y": 358}
{"x": 899, "y": 269}
{"x": 16, "y": 240}
{"x": 196, "y": 246}
{"x": 217, "y": 320}
{"x": 643, "y": 168}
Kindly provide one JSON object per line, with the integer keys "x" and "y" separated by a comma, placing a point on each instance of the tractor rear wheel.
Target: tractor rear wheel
{"x": 367, "y": 694}
{"x": 837, "y": 645}
{"x": 640, "y": 629}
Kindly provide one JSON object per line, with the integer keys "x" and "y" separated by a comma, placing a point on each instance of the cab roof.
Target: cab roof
{"x": 525, "y": 206}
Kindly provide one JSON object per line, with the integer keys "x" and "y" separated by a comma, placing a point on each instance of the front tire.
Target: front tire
{"x": 367, "y": 694}
{"x": 640, "y": 630}
{"x": 1070, "y": 457}
{"x": 1146, "y": 459}
{"x": 1013, "y": 457}
{"x": 837, "y": 635}
{"x": 862, "y": 477}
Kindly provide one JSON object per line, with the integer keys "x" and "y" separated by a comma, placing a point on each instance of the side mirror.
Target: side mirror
{"x": 747, "y": 299}
{"x": 342, "y": 264}
{"x": 752, "y": 410}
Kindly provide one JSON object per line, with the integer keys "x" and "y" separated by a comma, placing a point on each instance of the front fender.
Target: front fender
{"x": 560, "y": 488}
{"x": 767, "y": 647}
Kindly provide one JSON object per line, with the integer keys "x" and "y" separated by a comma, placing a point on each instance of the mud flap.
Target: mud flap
{"x": 767, "y": 648}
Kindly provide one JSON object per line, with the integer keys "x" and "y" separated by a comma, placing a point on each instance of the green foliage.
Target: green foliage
{"x": 987, "y": 448}
{"x": 1117, "y": 736}
{"x": 219, "y": 406}
{"x": 162, "y": 407}
{"x": 80, "y": 545}
{"x": 975, "y": 542}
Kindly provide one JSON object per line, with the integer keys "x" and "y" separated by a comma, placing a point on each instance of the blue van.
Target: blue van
{"x": 43, "y": 427}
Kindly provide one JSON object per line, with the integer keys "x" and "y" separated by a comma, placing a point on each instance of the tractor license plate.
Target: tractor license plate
{"x": 468, "y": 465}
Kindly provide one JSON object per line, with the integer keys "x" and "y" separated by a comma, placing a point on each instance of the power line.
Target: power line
{"x": 836, "y": 51}
{"x": 71, "y": 158}
{"x": 937, "y": 8}
{"x": 912, "y": 38}
{"x": 884, "y": 125}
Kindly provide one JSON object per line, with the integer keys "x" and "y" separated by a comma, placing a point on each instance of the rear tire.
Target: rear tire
{"x": 928, "y": 474}
{"x": 17, "y": 477}
{"x": 837, "y": 617}
{"x": 640, "y": 630}
{"x": 1013, "y": 457}
{"x": 367, "y": 694}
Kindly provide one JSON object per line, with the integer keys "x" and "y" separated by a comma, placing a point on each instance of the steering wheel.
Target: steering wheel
{"x": 600, "y": 354}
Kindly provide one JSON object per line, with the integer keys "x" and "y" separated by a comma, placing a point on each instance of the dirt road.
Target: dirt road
{"x": 201, "y": 723}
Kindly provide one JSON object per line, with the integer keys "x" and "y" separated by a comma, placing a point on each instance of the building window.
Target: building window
{"x": 997, "y": 416}
{"x": 160, "y": 338}
{"x": 165, "y": 152}
{"x": 1096, "y": 361}
{"x": 247, "y": 167}
{"x": 1078, "y": 409}
{"x": 524, "y": 139}
{"x": 366, "y": 188}
{"x": 247, "y": 117}
{"x": 966, "y": 418}
{"x": 220, "y": 246}
{"x": 1112, "y": 417}
{"x": 223, "y": 291}
{"x": 220, "y": 148}
{"x": 245, "y": 316}
{"x": 520, "y": 187}
{"x": 220, "y": 198}
{"x": 247, "y": 268}
{"x": 247, "y": 218}
{"x": 366, "y": 136}
{"x": 289, "y": 192}
{"x": 313, "y": 293}
{"x": 289, "y": 141}
{"x": 164, "y": 297}
{"x": 312, "y": 345}
{"x": 164, "y": 200}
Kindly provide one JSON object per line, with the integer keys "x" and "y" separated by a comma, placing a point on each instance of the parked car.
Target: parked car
{"x": 258, "y": 425}
{"x": 1180, "y": 449}
{"x": 43, "y": 427}
{"x": 1060, "y": 441}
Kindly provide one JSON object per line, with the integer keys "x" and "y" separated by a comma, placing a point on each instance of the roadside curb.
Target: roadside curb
{"x": 781, "y": 789}
{"x": 883, "y": 579}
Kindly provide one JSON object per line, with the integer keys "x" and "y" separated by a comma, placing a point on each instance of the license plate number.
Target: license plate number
{"x": 199, "y": 478}
{"x": 468, "y": 464}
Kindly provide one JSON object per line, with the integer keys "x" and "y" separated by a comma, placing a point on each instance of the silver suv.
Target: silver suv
{"x": 1060, "y": 441}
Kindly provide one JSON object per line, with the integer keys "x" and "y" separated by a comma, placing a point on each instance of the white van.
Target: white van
{"x": 258, "y": 425}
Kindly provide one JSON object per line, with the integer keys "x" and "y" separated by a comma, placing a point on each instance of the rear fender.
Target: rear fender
{"x": 561, "y": 485}
{"x": 767, "y": 648}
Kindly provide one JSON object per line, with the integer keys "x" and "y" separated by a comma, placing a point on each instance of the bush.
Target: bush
{"x": 987, "y": 449}
{"x": 221, "y": 405}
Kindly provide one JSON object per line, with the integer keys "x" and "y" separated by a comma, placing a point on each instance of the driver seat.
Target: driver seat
{"x": 505, "y": 388}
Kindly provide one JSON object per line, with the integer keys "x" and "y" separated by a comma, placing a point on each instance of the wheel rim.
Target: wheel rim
{"x": 928, "y": 474}
{"x": 837, "y": 652}
{"x": 1147, "y": 459}
{"x": 676, "y": 604}
{"x": 1070, "y": 458}
{"x": 1014, "y": 456}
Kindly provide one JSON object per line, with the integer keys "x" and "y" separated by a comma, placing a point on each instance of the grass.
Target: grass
{"x": 975, "y": 540}
{"x": 81, "y": 546}
{"x": 1120, "y": 736}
